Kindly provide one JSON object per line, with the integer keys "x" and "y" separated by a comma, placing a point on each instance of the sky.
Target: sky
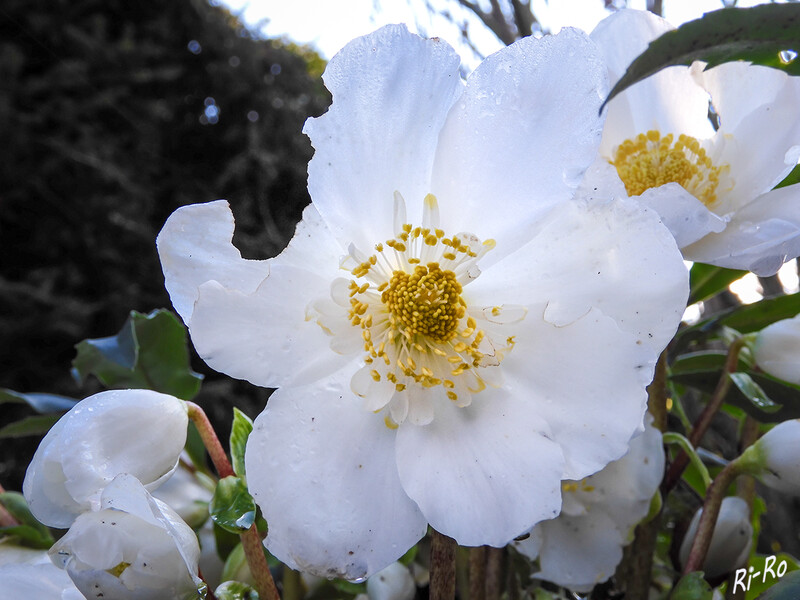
{"x": 327, "y": 25}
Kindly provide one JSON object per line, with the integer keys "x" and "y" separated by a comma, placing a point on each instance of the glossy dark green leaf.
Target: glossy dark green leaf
{"x": 768, "y": 569}
{"x": 763, "y": 397}
{"x": 692, "y": 587}
{"x": 29, "y": 532}
{"x": 41, "y": 403}
{"x": 757, "y": 35}
{"x": 744, "y": 319}
{"x": 706, "y": 281}
{"x": 788, "y": 588}
{"x": 699, "y": 362}
{"x": 33, "y": 425}
{"x": 235, "y": 590}
{"x": 149, "y": 352}
{"x": 232, "y": 506}
{"x": 753, "y": 392}
{"x": 240, "y": 431}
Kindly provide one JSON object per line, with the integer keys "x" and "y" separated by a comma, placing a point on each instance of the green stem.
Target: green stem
{"x": 292, "y": 586}
{"x": 708, "y": 519}
{"x": 251, "y": 540}
{"x": 443, "y": 567}
{"x": 704, "y": 420}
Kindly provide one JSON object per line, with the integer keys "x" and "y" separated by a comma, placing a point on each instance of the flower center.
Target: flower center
{"x": 421, "y": 338}
{"x": 649, "y": 161}
{"x": 425, "y": 303}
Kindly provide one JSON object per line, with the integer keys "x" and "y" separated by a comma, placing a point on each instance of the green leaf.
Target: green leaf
{"x": 706, "y": 281}
{"x": 34, "y": 425}
{"x": 757, "y": 35}
{"x": 235, "y": 590}
{"x": 787, "y": 588}
{"x": 753, "y": 392}
{"x": 768, "y": 577}
{"x": 232, "y": 506}
{"x": 41, "y": 403}
{"x": 240, "y": 430}
{"x": 195, "y": 448}
{"x": 764, "y": 397}
{"x": 699, "y": 362}
{"x": 149, "y": 352}
{"x": 747, "y": 318}
{"x": 29, "y": 532}
{"x": 692, "y": 587}
{"x": 672, "y": 437}
{"x": 792, "y": 178}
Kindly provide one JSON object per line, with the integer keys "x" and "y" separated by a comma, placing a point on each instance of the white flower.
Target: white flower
{"x": 583, "y": 545}
{"x": 451, "y": 333}
{"x": 38, "y": 581}
{"x": 777, "y": 457}
{"x": 395, "y": 582}
{"x": 140, "y": 432}
{"x": 711, "y": 188}
{"x": 777, "y": 349}
{"x": 730, "y": 542}
{"x": 133, "y": 547}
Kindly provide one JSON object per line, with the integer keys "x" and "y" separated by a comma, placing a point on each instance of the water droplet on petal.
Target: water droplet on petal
{"x": 787, "y": 56}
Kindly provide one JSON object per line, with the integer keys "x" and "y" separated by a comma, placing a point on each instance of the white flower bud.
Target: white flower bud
{"x": 777, "y": 349}
{"x": 134, "y": 548}
{"x": 779, "y": 450}
{"x": 395, "y": 582}
{"x": 139, "y": 432}
{"x": 730, "y": 542}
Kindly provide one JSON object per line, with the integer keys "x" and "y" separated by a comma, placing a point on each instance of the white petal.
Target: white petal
{"x": 520, "y": 138}
{"x": 684, "y": 215}
{"x": 395, "y": 582}
{"x": 313, "y": 246}
{"x": 195, "y": 246}
{"x": 587, "y": 381}
{"x": 140, "y": 432}
{"x": 759, "y": 238}
{"x": 265, "y": 337}
{"x": 483, "y": 474}
{"x": 323, "y": 471}
{"x": 623, "y": 490}
{"x": 613, "y": 256}
{"x": 579, "y": 552}
{"x": 158, "y": 552}
{"x": 758, "y": 109}
{"x": 669, "y": 101}
{"x": 39, "y": 582}
{"x": 778, "y": 450}
{"x": 391, "y": 92}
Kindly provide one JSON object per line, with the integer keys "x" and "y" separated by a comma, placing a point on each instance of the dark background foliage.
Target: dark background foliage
{"x": 113, "y": 114}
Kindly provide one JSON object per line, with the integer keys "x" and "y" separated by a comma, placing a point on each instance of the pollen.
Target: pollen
{"x": 426, "y": 302}
{"x": 416, "y": 326}
{"x": 650, "y": 160}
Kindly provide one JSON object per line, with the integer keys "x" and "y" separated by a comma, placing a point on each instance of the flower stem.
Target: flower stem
{"x": 257, "y": 561}
{"x": 708, "y": 519}
{"x": 704, "y": 420}
{"x": 210, "y": 440}
{"x": 292, "y": 585}
{"x": 477, "y": 573}
{"x": 494, "y": 573}
{"x": 443, "y": 567}
{"x": 251, "y": 540}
